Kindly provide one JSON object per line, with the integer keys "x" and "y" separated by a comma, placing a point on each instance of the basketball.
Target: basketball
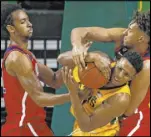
{"x": 92, "y": 77}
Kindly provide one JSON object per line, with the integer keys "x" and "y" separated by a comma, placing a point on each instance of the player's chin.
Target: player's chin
{"x": 29, "y": 35}
{"x": 125, "y": 42}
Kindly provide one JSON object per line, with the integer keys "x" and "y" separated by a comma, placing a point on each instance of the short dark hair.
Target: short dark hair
{"x": 143, "y": 21}
{"x": 6, "y": 14}
{"x": 135, "y": 59}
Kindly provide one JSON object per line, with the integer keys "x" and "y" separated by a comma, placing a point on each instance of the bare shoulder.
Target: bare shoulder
{"x": 12, "y": 57}
{"x": 120, "y": 99}
{"x": 18, "y": 63}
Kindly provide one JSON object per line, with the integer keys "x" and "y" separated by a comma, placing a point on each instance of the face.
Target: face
{"x": 123, "y": 72}
{"x": 133, "y": 35}
{"x": 21, "y": 24}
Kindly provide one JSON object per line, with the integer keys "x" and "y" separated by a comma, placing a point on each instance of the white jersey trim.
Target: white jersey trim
{"x": 138, "y": 124}
{"x": 32, "y": 129}
{"x": 23, "y": 109}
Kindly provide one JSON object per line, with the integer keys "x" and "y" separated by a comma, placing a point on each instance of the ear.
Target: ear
{"x": 10, "y": 28}
{"x": 141, "y": 39}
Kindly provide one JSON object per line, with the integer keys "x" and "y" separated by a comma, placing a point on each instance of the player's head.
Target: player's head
{"x": 126, "y": 68}
{"x": 138, "y": 31}
{"x": 15, "y": 21}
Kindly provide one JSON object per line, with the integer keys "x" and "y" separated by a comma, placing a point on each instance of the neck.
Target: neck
{"x": 141, "y": 48}
{"x": 23, "y": 43}
{"x": 111, "y": 85}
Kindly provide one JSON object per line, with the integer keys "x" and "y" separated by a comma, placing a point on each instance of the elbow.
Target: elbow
{"x": 63, "y": 59}
{"x": 60, "y": 59}
{"x": 85, "y": 129}
{"x": 85, "y": 126}
{"x": 75, "y": 30}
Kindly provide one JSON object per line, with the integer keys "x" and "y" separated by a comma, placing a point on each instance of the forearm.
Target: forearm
{"x": 80, "y": 36}
{"x": 49, "y": 77}
{"x": 46, "y": 99}
{"x": 96, "y": 55}
{"x": 80, "y": 114}
{"x": 46, "y": 74}
{"x": 57, "y": 81}
{"x": 134, "y": 104}
{"x": 65, "y": 59}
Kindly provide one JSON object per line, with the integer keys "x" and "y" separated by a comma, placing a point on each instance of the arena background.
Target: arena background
{"x": 52, "y": 24}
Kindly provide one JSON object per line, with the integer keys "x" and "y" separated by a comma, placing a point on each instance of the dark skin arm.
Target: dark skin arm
{"x": 49, "y": 77}
{"x": 98, "y": 57}
{"x": 20, "y": 66}
{"x": 113, "y": 107}
{"x": 82, "y": 36}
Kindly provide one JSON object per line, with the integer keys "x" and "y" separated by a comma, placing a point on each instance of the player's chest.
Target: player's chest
{"x": 93, "y": 101}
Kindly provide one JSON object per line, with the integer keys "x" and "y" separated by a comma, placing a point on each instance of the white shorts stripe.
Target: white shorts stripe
{"x": 32, "y": 130}
{"x": 138, "y": 124}
{"x": 23, "y": 109}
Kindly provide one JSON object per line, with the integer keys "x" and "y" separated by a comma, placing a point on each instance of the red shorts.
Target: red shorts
{"x": 136, "y": 125}
{"x": 29, "y": 129}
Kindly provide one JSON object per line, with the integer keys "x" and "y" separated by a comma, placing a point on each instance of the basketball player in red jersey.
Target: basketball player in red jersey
{"x": 24, "y": 95}
{"x": 137, "y": 36}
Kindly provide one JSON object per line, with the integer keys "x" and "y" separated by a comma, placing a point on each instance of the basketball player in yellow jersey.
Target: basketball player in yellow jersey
{"x": 97, "y": 115}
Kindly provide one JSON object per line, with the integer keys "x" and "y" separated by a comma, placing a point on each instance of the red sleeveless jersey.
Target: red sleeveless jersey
{"x": 146, "y": 102}
{"x": 19, "y": 105}
{"x": 139, "y": 123}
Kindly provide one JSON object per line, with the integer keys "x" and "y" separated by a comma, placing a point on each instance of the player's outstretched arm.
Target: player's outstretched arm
{"x": 49, "y": 77}
{"x": 65, "y": 59}
{"x": 21, "y": 66}
{"x": 82, "y": 38}
{"x": 101, "y": 60}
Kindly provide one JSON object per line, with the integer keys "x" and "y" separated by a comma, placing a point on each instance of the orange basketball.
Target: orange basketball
{"x": 92, "y": 77}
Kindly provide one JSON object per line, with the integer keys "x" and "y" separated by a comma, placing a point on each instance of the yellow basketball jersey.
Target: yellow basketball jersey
{"x": 94, "y": 101}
